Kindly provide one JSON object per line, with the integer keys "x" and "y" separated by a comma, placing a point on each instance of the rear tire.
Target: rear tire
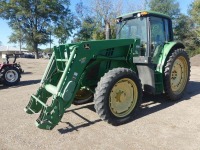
{"x": 176, "y": 74}
{"x": 118, "y": 96}
{"x": 11, "y": 76}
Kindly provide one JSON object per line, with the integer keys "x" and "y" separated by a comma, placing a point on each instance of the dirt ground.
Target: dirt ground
{"x": 161, "y": 124}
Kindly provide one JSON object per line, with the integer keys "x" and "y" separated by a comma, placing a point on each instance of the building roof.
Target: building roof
{"x": 11, "y": 49}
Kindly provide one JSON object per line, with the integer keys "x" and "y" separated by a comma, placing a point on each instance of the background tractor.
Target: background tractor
{"x": 114, "y": 73}
{"x": 10, "y": 73}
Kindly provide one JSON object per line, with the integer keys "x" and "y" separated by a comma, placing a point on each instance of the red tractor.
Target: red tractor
{"x": 10, "y": 73}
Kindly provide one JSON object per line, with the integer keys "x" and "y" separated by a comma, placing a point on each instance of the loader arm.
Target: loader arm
{"x": 63, "y": 75}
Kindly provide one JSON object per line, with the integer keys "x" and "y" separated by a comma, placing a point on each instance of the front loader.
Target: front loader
{"x": 113, "y": 73}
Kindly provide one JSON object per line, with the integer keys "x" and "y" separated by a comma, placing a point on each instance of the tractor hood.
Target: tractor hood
{"x": 91, "y": 46}
{"x": 104, "y": 44}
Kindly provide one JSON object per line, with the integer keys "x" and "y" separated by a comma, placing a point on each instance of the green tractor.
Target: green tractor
{"x": 114, "y": 73}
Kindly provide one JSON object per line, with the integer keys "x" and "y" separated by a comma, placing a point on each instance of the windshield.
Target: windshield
{"x": 133, "y": 28}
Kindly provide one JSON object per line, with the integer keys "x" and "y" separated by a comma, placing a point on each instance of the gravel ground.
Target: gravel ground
{"x": 160, "y": 124}
{"x": 195, "y": 60}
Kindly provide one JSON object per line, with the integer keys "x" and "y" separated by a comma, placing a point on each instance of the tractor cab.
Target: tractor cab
{"x": 151, "y": 28}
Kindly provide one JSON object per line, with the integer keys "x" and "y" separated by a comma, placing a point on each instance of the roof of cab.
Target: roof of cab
{"x": 153, "y": 13}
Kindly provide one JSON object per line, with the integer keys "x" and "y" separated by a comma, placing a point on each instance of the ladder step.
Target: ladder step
{"x": 29, "y": 110}
{"x": 38, "y": 101}
{"x": 51, "y": 89}
{"x": 61, "y": 59}
{"x": 60, "y": 71}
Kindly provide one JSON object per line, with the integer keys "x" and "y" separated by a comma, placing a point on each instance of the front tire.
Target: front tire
{"x": 11, "y": 76}
{"x": 118, "y": 96}
{"x": 83, "y": 96}
{"x": 176, "y": 74}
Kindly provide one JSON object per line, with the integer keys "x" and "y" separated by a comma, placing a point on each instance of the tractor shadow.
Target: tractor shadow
{"x": 20, "y": 84}
{"x": 155, "y": 103}
{"x": 26, "y": 73}
{"x": 71, "y": 128}
{"x": 151, "y": 104}
{"x": 29, "y": 82}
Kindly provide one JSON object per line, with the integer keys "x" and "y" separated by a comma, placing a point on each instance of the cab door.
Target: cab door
{"x": 159, "y": 31}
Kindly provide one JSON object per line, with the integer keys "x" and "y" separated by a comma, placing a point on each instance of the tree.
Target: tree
{"x": 35, "y": 19}
{"x": 169, "y": 7}
{"x": 103, "y": 14}
{"x": 194, "y": 12}
{"x": 17, "y": 37}
{"x": 195, "y": 16}
{"x": 185, "y": 32}
{"x": 87, "y": 28}
{"x": 183, "y": 28}
{"x": 131, "y": 6}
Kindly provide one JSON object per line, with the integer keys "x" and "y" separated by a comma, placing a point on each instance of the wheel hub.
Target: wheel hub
{"x": 11, "y": 76}
{"x": 123, "y": 97}
{"x": 120, "y": 96}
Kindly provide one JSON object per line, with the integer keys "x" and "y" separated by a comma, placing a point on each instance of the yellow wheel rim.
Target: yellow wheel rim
{"x": 179, "y": 75}
{"x": 83, "y": 94}
{"x": 123, "y": 97}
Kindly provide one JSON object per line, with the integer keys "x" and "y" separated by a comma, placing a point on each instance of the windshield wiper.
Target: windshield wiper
{"x": 122, "y": 26}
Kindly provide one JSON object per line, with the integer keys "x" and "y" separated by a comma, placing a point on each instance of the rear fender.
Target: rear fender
{"x": 5, "y": 66}
{"x": 167, "y": 50}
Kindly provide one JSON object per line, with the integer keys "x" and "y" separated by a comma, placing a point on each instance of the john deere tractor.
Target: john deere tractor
{"x": 114, "y": 73}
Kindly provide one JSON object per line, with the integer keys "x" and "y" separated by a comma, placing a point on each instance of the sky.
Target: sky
{"x": 5, "y": 30}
